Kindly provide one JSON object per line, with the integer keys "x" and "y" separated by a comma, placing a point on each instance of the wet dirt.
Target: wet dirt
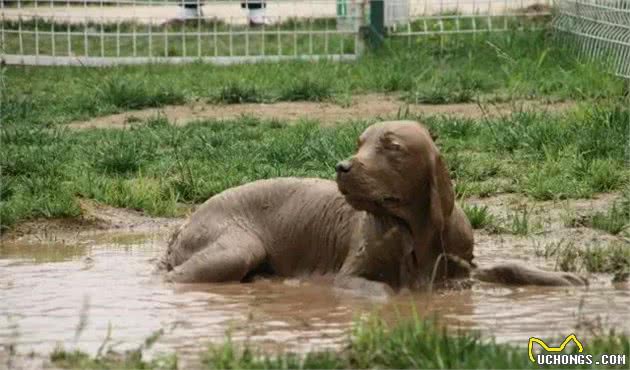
{"x": 70, "y": 285}
{"x": 371, "y": 106}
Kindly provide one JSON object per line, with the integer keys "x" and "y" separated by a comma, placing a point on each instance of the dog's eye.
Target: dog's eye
{"x": 392, "y": 145}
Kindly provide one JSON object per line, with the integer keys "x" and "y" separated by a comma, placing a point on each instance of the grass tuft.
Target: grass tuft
{"x": 519, "y": 222}
{"x": 130, "y": 360}
{"x": 479, "y": 217}
{"x": 307, "y": 89}
{"x": 124, "y": 93}
{"x": 611, "y": 258}
{"x": 123, "y": 152}
{"x": 613, "y": 221}
{"x": 239, "y": 92}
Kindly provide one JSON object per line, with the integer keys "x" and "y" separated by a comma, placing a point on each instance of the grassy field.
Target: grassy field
{"x": 457, "y": 69}
{"x": 155, "y": 167}
{"x": 373, "y": 344}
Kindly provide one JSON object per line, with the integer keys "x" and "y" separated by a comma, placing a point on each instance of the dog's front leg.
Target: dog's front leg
{"x": 359, "y": 286}
{"x": 520, "y": 274}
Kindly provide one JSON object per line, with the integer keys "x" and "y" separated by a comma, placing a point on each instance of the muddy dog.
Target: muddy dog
{"x": 388, "y": 222}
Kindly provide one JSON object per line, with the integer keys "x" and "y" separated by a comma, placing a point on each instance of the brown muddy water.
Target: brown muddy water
{"x": 70, "y": 294}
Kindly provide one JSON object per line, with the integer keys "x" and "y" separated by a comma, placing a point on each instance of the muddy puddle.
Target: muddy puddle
{"x": 74, "y": 294}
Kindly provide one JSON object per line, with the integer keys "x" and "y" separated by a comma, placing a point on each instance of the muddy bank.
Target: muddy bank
{"x": 95, "y": 219}
{"x": 372, "y": 106}
{"x": 549, "y": 228}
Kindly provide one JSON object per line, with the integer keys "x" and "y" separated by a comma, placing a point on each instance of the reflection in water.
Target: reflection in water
{"x": 42, "y": 253}
{"x": 70, "y": 294}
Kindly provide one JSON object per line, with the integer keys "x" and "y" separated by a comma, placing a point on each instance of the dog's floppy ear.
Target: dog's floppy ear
{"x": 442, "y": 197}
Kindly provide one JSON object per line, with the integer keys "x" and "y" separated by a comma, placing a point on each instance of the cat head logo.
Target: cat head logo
{"x": 560, "y": 348}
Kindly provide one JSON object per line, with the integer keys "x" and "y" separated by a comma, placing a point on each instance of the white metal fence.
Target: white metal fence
{"x": 454, "y": 17}
{"x": 598, "y": 29}
{"x": 104, "y": 32}
{"x": 95, "y": 32}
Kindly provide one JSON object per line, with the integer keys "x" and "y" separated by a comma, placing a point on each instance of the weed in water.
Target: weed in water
{"x": 130, "y": 360}
{"x": 519, "y": 222}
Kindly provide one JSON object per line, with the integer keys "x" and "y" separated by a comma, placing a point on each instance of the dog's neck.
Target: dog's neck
{"x": 416, "y": 215}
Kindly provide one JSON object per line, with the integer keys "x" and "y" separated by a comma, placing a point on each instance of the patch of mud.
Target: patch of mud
{"x": 548, "y": 224}
{"x": 96, "y": 220}
{"x": 372, "y": 106}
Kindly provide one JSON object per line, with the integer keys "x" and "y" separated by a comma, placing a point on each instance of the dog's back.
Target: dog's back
{"x": 304, "y": 224}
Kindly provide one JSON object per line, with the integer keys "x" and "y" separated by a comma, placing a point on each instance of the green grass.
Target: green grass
{"x": 612, "y": 258}
{"x": 128, "y": 361}
{"x": 414, "y": 343}
{"x": 155, "y": 167}
{"x": 453, "y": 69}
{"x": 519, "y": 222}
{"x": 614, "y": 221}
{"x": 479, "y": 216}
{"x": 126, "y": 95}
{"x": 239, "y": 92}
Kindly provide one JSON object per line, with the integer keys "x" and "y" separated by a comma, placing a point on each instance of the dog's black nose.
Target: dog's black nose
{"x": 343, "y": 166}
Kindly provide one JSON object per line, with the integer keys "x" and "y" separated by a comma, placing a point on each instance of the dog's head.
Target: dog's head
{"x": 397, "y": 170}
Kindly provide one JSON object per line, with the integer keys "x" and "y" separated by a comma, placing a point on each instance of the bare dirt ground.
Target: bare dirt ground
{"x": 547, "y": 224}
{"x": 96, "y": 219}
{"x": 370, "y": 106}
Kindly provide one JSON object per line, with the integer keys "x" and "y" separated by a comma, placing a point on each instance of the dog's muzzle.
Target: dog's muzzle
{"x": 343, "y": 167}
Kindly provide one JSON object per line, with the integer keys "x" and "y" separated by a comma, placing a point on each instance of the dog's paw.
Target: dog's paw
{"x": 573, "y": 279}
{"x": 362, "y": 287}
{"x": 176, "y": 275}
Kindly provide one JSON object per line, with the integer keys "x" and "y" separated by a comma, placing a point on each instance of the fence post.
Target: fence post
{"x": 374, "y": 33}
